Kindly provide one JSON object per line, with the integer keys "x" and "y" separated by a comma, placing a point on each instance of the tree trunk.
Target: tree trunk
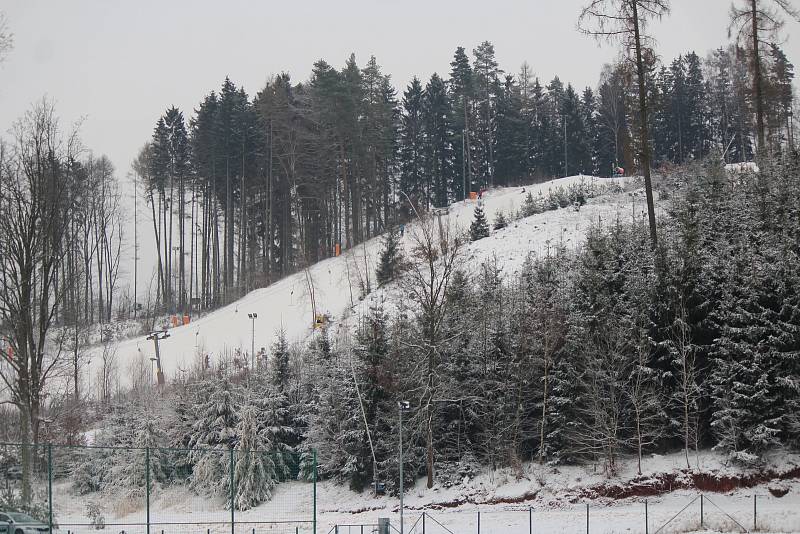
{"x": 181, "y": 244}
{"x": 645, "y": 136}
{"x": 757, "y": 81}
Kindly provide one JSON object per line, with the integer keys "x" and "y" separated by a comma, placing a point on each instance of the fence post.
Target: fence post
{"x": 314, "y": 457}
{"x": 646, "y": 521}
{"x": 50, "y": 487}
{"x": 423, "y": 522}
{"x": 755, "y": 511}
{"x": 701, "y": 510}
{"x": 530, "y": 519}
{"x": 147, "y": 485}
{"x": 233, "y": 493}
{"x": 587, "y": 518}
{"x": 479, "y": 522}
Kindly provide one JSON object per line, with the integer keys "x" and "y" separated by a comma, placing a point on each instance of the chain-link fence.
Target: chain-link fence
{"x": 669, "y": 514}
{"x": 155, "y": 490}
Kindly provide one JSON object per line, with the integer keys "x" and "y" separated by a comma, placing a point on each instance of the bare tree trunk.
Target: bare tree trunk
{"x": 156, "y": 226}
{"x": 181, "y": 246}
{"x": 645, "y": 135}
{"x": 757, "y": 86}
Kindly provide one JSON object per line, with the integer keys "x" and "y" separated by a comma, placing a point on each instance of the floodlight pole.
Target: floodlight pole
{"x": 402, "y": 406}
{"x": 253, "y": 317}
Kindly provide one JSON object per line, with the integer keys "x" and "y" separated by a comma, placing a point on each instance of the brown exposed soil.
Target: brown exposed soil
{"x": 651, "y": 486}
{"x": 667, "y": 482}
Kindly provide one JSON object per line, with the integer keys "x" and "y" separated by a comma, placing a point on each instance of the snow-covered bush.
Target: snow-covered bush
{"x": 94, "y": 512}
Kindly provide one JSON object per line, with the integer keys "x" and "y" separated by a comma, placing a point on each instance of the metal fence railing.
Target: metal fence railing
{"x": 160, "y": 490}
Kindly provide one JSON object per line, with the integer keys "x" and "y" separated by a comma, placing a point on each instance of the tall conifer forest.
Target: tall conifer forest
{"x": 248, "y": 188}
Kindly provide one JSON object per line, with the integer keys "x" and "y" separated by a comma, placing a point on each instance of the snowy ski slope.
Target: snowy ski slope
{"x": 286, "y": 304}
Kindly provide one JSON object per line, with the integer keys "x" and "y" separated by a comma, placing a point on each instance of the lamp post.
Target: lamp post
{"x": 402, "y": 406}
{"x": 252, "y": 317}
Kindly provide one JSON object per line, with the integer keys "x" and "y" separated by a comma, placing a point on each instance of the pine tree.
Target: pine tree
{"x": 479, "y": 227}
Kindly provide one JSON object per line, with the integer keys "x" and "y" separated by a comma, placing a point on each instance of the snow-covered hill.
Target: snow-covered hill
{"x": 287, "y": 304}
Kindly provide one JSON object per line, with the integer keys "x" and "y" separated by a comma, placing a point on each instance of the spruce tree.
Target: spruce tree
{"x": 215, "y": 428}
{"x": 488, "y": 87}
{"x": 279, "y": 369}
{"x": 439, "y": 152}
{"x": 391, "y": 259}
{"x": 500, "y": 221}
{"x": 577, "y": 139}
{"x": 479, "y": 227}
{"x": 256, "y": 462}
{"x": 511, "y": 150}
{"x": 413, "y": 179}
{"x": 375, "y": 376}
{"x": 461, "y": 86}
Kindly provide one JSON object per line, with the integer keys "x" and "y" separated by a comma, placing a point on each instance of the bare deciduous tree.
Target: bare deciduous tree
{"x": 435, "y": 257}
{"x": 6, "y": 37}
{"x": 33, "y": 245}
{"x": 684, "y": 360}
{"x": 107, "y": 374}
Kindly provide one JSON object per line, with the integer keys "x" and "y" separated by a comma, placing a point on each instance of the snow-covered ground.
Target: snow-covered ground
{"x": 286, "y": 304}
{"x": 539, "y": 499}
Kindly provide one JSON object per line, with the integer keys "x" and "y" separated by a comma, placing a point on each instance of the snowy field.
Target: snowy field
{"x": 286, "y": 304}
{"x": 536, "y": 500}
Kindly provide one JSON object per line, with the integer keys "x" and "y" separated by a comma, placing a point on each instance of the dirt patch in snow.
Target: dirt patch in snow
{"x": 643, "y": 486}
{"x": 703, "y": 481}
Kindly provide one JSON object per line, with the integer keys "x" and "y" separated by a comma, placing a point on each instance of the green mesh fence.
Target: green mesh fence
{"x": 158, "y": 490}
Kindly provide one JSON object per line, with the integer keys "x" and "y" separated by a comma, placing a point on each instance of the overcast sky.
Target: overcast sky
{"x": 119, "y": 64}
